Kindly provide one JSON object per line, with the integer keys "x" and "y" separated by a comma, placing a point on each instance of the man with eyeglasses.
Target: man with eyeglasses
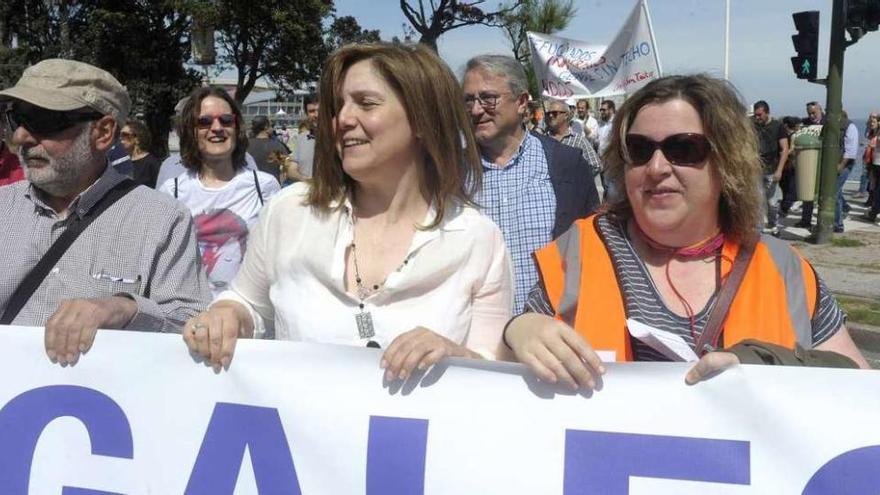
{"x": 134, "y": 263}
{"x": 533, "y": 187}
{"x": 559, "y": 128}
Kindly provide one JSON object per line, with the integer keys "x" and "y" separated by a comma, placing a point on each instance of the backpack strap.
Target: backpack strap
{"x": 257, "y": 184}
{"x": 38, "y": 273}
{"x": 175, "y": 188}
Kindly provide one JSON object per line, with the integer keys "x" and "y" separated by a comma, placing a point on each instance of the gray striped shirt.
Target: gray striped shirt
{"x": 142, "y": 247}
{"x": 643, "y": 302}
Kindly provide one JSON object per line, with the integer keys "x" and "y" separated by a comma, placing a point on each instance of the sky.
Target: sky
{"x": 690, "y": 38}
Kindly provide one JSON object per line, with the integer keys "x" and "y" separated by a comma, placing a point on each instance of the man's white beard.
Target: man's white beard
{"x": 60, "y": 176}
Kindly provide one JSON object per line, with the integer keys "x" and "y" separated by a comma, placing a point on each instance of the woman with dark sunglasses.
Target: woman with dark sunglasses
{"x": 223, "y": 196}
{"x": 684, "y": 156}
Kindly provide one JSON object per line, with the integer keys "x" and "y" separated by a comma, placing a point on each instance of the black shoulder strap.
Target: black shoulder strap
{"x": 175, "y": 188}
{"x": 38, "y": 273}
{"x": 259, "y": 191}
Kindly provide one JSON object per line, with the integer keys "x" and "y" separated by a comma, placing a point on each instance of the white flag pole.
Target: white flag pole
{"x": 727, "y": 39}
{"x": 653, "y": 40}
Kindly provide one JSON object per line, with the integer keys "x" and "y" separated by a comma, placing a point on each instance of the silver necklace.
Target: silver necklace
{"x": 363, "y": 319}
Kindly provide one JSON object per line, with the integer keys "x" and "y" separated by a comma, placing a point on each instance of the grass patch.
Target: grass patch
{"x": 844, "y": 242}
{"x": 861, "y": 310}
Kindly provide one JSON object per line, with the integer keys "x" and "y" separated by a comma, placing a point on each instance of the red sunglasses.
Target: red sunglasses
{"x": 206, "y": 121}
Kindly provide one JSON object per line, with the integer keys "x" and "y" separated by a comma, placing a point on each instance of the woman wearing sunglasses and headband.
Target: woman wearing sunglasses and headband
{"x": 223, "y": 196}
{"x": 684, "y": 157}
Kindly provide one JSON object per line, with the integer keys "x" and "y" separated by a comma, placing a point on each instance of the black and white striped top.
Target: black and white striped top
{"x": 644, "y": 304}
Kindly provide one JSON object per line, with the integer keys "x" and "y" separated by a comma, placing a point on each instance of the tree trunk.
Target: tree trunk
{"x": 430, "y": 39}
{"x": 64, "y": 22}
{"x": 160, "y": 127}
{"x": 5, "y": 37}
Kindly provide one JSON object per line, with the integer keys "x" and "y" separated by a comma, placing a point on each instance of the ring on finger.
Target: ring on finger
{"x": 199, "y": 326}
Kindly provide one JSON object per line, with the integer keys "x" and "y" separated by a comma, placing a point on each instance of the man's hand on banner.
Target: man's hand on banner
{"x": 70, "y": 331}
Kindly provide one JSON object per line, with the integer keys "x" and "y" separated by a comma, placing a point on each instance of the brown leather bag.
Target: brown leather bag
{"x": 757, "y": 352}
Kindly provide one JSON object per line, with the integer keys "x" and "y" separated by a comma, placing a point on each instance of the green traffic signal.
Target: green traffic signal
{"x": 806, "y": 44}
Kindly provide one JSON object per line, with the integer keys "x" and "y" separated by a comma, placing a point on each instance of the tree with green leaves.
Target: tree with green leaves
{"x": 142, "y": 43}
{"x": 280, "y": 40}
{"x": 145, "y": 45}
{"x": 432, "y": 18}
{"x": 346, "y": 29}
{"x": 540, "y": 16}
{"x": 36, "y": 28}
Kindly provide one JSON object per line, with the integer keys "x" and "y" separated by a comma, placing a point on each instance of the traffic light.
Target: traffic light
{"x": 806, "y": 44}
{"x": 872, "y": 15}
{"x": 862, "y": 16}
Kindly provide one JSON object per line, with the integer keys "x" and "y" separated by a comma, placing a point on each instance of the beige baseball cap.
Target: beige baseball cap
{"x": 64, "y": 85}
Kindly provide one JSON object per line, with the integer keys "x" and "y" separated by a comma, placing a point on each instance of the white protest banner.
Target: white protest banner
{"x": 137, "y": 416}
{"x": 568, "y": 68}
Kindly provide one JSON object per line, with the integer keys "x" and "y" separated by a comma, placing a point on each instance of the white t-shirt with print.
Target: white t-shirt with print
{"x": 223, "y": 217}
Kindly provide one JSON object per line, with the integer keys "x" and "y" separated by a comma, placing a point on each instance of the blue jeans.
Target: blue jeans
{"x": 769, "y": 208}
{"x": 838, "y": 206}
{"x": 863, "y": 181}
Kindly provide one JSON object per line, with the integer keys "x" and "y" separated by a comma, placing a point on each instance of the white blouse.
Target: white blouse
{"x": 458, "y": 280}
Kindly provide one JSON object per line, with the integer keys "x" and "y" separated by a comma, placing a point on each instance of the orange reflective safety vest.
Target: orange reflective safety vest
{"x": 775, "y": 302}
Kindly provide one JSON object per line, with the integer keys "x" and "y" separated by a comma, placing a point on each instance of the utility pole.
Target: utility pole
{"x": 727, "y": 39}
{"x": 831, "y": 152}
{"x": 855, "y": 17}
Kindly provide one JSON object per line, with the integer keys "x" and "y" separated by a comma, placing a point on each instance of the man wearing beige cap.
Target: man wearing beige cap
{"x": 83, "y": 248}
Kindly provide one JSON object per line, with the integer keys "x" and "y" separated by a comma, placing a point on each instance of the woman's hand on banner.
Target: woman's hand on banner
{"x": 710, "y": 365}
{"x": 419, "y": 349}
{"x": 212, "y": 334}
{"x": 554, "y": 351}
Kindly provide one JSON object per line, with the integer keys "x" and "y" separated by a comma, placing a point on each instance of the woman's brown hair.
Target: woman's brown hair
{"x": 186, "y": 128}
{"x": 734, "y": 150}
{"x": 434, "y": 105}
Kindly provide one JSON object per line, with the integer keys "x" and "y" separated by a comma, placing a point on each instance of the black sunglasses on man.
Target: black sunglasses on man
{"x": 45, "y": 123}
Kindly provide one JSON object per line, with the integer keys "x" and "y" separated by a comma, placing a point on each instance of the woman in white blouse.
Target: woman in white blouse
{"x": 383, "y": 247}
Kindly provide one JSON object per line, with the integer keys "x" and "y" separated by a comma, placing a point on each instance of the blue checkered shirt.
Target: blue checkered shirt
{"x": 520, "y": 199}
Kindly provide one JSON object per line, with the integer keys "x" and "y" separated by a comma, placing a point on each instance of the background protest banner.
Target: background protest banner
{"x": 567, "y": 68}
{"x": 138, "y": 416}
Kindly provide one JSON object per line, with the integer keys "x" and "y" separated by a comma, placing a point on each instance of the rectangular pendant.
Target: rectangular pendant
{"x": 365, "y": 325}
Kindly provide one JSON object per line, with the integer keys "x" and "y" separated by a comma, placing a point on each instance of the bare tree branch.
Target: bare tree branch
{"x": 446, "y": 15}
